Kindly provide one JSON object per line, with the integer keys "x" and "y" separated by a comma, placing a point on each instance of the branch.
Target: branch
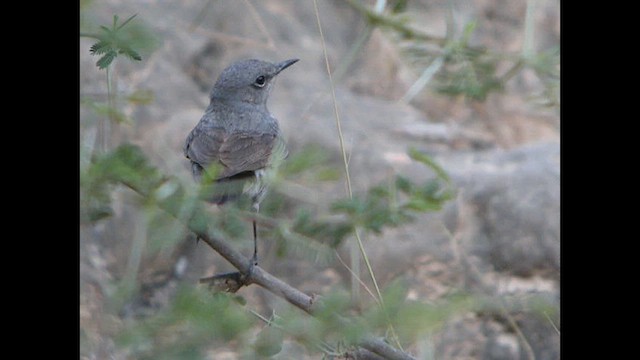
{"x": 309, "y": 304}
{"x": 258, "y": 276}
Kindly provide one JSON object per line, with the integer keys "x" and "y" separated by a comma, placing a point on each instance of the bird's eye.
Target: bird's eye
{"x": 260, "y": 81}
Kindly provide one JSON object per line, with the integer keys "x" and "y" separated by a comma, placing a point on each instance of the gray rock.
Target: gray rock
{"x": 514, "y": 202}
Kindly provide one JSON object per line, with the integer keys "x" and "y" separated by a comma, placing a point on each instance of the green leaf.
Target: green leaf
{"x": 100, "y": 47}
{"x": 193, "y": 322}
{"x": 107, "y": 59}
{"x": 128, "y": 41}
{"x": 427, "y": 160}
{"x": 398, "y": 6}
{"x": 309, "y": 157}
{"x": 108, "y": 110}
{"x": 141, "y": 97}
{"x": 131, "y": 54}
{"x": 404, "y": 184}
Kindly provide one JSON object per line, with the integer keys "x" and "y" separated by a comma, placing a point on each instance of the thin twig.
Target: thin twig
{"x": 422, "y": 81}
{"x": 106, "y": 123}
{"x": 525, "y": 343}
{"x": 322, "y": 346}
{"x": 91, "y": 35}
{"x": 357, "y": 278}
{"x": 380, "y": 19}
{"x": 355, "y": 261}
{"x": 335, "y": 102}
{"x": 346, "y": 169}
{"x": 551, "y": 322}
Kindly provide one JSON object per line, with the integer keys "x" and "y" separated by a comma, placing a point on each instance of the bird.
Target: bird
{"x": 238, "y": 144}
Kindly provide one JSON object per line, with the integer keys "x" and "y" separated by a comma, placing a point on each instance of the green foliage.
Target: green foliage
{"x": 546, "y": 64}
{"x": 473, "y": 78}
{"x": 195, "y": 320}
{"x": 269, "y": 341}
{"x": 398, "y": 6}
{"x": 310, "y": 163}
{"x": 397, "y": 203}
{"x": 104, "y": 109}
{"x": 414, "y": 319}
{"x": 468, "y": 70}
{"x": 328, "y": 324}
{"x": 328, "y": 232}
{"x": 126, "y": 165}
{"x": 113, "y": 42}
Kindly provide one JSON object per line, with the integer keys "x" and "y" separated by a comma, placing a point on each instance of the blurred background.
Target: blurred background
{"x": 471, "y": 85}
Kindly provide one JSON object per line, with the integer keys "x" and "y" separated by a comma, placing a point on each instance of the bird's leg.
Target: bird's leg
{"x": 254, "y": 258}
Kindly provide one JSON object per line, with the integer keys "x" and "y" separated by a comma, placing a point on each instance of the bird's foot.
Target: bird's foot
{"x": 229, "y": 282}
{"x": 252, "y": 264}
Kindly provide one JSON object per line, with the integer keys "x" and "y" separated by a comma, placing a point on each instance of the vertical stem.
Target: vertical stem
{"x": 354, "y": 248}
{"x": 529, "y": 30}
{"x": 354, "y": 261}
{"x": 105, "y": 128}
{"x": 357, "y": 245}
{"x": 128, "y": 285}
{"x": 422, "y": 81}
{"x": 137, "y": 247}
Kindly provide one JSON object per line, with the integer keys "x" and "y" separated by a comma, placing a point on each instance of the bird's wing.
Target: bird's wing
{"x": 246, "y": 151}
{"x": 202, "y": 146}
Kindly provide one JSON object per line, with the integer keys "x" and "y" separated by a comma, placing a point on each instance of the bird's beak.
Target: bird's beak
{"x": 285, "y": 64}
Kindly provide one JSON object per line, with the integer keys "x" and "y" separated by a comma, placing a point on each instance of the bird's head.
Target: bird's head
{"x": 248, "y": 80}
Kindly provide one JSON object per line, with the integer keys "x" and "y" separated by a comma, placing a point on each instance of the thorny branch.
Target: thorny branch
{"x": 309, "y": 304}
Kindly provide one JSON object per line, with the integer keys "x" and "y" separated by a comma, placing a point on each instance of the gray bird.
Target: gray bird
{"x": 237, "y": 142}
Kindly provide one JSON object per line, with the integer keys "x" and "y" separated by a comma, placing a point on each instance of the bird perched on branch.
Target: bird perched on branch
{"x": 238, "y": 143}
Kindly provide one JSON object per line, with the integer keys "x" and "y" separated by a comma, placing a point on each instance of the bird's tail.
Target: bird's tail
{"x": 229, "y": 189}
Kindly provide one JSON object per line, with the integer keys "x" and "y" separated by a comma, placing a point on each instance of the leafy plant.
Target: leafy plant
{"x": 111, "y": 43}
{"x": 121, "y": 38}
{"x": 128, "y": 166}
{"x": 462, "y": 68}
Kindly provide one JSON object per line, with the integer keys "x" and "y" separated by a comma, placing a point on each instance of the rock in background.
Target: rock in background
{"x": 499, "y": 238}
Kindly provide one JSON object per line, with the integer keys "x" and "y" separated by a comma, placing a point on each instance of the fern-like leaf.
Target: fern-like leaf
{"x": 113, "y": 42}
{"x": 101, "y": 47}
{"x": 107, "y": 59}
{"x": 130, "y": 53}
